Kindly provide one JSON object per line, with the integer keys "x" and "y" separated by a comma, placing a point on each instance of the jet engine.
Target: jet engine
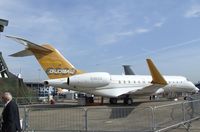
{"x": 89, "y": 80}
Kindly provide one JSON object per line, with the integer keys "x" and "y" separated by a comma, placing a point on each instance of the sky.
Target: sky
{"x": 102, "y": 35}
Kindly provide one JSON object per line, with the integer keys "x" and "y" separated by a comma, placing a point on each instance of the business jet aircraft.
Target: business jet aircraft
{"x": 63, "y": 74}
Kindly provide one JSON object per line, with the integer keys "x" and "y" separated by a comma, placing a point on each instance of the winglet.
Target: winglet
{"x": 157, "y": 78}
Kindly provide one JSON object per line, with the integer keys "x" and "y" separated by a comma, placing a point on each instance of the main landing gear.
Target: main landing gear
{"x": 113, "y": 101}
{"x": 89, "y": 100}
{"x": 153, "y": 97}
{"x": 127, "y": 101}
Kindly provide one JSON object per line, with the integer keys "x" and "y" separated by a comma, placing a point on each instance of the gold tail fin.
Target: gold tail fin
{"x": 52, "y": 62}
{"x": 157, "y": 78}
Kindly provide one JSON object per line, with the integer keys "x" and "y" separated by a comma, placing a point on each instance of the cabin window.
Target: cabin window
{"x": 138, "y": 81}
{"x": 129, "y": 81}
{"x": 119, "y": 81}
{"x": 124, "y": 81}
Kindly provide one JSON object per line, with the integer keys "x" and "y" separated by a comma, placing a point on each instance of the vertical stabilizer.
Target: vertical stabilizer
{"x": 128, "y": 70}
{"x": 157, "y": 78}
{"x": 51, "y": 60}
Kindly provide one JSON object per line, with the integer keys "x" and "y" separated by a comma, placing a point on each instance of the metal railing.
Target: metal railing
{"x": 126, "y": 119}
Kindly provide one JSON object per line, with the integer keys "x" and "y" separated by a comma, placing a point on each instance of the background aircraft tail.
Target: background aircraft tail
{"x": 128, "y": 70}
{"x": 51, "y": 60}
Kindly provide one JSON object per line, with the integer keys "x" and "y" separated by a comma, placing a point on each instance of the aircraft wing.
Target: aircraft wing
{"x": 130, "y": 90}
{"x": 148, "y": 90}
{"x": 158, "y": 81}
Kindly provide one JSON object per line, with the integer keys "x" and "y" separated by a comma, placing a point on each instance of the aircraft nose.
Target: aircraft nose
{"x": 196, "y": 90}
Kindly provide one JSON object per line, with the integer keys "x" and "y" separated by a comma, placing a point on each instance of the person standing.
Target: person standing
{"x": 10, "y": 114}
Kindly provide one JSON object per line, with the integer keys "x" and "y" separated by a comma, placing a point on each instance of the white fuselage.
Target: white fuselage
{"x": 104, "y": 84}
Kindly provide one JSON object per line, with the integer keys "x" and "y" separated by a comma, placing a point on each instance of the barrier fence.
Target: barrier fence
{"x": 126, "y": 119}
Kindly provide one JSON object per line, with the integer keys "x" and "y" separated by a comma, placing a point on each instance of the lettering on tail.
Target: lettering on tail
{"x": 63, "y": 71}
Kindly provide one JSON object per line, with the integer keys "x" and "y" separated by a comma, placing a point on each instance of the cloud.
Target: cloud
{"x": 45, "y": 18}
{"x": 158, "y": 24}
{"x": 115, "y": 37}
{"x": 142, "y": 30}
{"x": 134, "y": 32}
{"x": 193, "y": 12}
{"x": 166, "y": 48}
{"x": 112, "y": 38}
{"x": 127, "y": 33}
{"x": 170, "y": 51}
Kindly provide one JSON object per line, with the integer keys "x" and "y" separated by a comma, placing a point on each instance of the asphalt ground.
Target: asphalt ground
{"x": 138, "y": 117}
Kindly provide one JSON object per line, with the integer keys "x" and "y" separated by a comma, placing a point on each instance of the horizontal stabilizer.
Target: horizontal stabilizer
{"x": 157, "y": 78}
{"x": 22, "y": 53}
{"x": 29, "y": 47}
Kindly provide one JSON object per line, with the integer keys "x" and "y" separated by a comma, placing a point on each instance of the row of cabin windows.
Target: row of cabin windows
{"x": 128, "y": 82}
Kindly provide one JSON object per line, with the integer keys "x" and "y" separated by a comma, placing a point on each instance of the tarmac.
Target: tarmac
{"x": 71, "y": 116}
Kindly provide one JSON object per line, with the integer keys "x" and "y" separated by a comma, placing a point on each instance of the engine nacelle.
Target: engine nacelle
{"x": 89, "y": 80}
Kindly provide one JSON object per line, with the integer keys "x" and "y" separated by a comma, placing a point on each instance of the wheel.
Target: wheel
{"x": 150, "y": 98}
{"x": 154, "y": 97}
{"x": 185, "y": 98}
{"x": 90, "y": 100}
{"x": 128, "y": 101}
{"x": 125, "y": 100}
{"x": 113, "y": 100}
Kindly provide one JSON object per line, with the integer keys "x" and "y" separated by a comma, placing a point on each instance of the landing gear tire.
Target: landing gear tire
{"x": 89, "y": 100}
{"x": 185, "y": 98}
{"x": 128, "y": 101}
{"x": 153, "y": 97}
{"x": 113, "y": 101}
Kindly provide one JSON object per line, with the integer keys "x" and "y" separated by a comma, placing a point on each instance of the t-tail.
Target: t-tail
{"x": 51, "y": 60}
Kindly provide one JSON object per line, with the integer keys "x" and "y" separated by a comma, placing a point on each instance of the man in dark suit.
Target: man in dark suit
{"x": 10, "y": 114}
